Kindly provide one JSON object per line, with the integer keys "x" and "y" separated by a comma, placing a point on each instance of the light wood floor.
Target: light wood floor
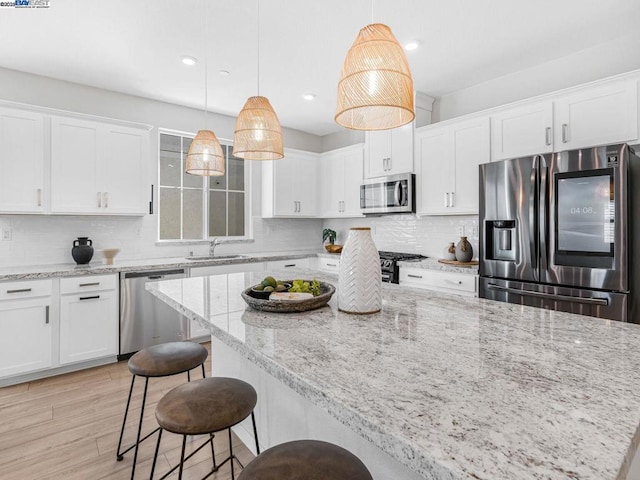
{"x": 67, "y": 427}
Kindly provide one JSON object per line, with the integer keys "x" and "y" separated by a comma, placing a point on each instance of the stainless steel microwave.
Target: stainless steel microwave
{"x": 391, "y": 194}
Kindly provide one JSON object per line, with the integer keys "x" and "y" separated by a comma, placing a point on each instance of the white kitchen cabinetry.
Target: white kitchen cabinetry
{"x": 88, "y": 318}
{"x": 451, "y": 282}
{"x": 26, "y": 327}
{"x": 329, "y": 264}
{"x": 98, "y": 168}
{"x": 287, "y": 264}
{"x": 341, "y": 173}
{"x": 389, "y": 151}
{"x": 522, "y": 131}
{"x": 22, "y": 160}
{"x": 448, "y": 158}
{"x": 597, "y": 116}
{"x": 289, "y": 185}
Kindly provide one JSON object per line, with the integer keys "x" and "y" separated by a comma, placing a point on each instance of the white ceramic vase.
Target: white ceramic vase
{"x": 360, "y": 277}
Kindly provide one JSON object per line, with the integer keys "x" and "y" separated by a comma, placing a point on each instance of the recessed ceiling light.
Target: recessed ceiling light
{"x": 224, "y": 73}
{"x": 411, "y": 45}
{"x": 191, "y": 61}
{"x": 309, "y": 96}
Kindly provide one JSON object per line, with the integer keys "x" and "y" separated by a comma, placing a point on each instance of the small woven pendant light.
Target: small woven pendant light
{"x": 375, "y": 91}
{"x": 258, "y": 134}
{"x": 205, "y": 156}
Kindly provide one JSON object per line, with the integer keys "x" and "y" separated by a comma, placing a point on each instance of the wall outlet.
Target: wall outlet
{"x": 460, "y": 230}
{"x": 6, "y": 233}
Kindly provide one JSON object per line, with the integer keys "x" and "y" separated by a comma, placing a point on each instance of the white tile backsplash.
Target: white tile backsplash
{"x": 411, "y": 234}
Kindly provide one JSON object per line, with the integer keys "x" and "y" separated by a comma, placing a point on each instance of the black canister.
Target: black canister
{"x": 82, "y": 251}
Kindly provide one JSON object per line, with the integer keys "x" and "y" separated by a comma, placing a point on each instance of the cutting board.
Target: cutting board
{"x": 456, "y": 263}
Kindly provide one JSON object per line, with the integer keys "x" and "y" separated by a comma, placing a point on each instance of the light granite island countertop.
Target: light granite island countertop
{"x": 452, "y": 387}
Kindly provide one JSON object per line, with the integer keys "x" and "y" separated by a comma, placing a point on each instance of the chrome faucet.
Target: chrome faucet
{"x": 212, "y": 246}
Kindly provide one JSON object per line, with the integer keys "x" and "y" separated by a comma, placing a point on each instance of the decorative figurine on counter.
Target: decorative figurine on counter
{"x": 82, "y": 251}
{"x": 464, "y": 250}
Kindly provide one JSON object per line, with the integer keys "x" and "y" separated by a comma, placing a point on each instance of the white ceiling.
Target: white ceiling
{"x": 135, "y": 46}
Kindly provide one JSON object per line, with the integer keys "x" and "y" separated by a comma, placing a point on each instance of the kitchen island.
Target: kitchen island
{"x": 450, "y": 387}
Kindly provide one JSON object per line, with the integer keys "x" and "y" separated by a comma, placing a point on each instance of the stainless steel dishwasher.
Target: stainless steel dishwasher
{"x": 144, "y": 319}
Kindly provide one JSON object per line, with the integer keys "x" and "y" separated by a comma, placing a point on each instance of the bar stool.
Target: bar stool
{"x": 204, "y": 407}
{"x": 306, "y": 460}
{"x": 161, "y": 360}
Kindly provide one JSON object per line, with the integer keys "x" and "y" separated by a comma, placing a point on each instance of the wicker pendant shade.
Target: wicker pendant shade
{"x": 205, "y": 155}
{"x": 258, "y": 135}
{"x": 375, "y": 91}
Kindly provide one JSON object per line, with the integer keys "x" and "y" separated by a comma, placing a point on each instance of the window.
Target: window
{"x": 196, "y": 208}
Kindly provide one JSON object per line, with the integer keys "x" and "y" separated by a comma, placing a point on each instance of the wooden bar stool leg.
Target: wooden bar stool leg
{"x": 135, "y": 453}
{"x": 119, "y": 456}
{"x": 233, "y": 477}
{"x": 255, "y": 432}
{"x": 155, "y": 455}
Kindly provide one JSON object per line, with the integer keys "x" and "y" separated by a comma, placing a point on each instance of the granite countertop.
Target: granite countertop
{"x": 453, "y": 387}
{"x": 72, "y": 270}
{"x": 433, "y": 264}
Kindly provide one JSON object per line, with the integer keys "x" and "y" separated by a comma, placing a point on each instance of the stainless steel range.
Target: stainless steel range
{"x": 389, "y": 264}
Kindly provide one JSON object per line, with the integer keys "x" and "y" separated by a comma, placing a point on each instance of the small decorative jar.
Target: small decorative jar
{"x": 464, "y": 250}
{"x": 82, "y": 251}
{"x": 360, "y": 276}
{"x": 449, "y": 252}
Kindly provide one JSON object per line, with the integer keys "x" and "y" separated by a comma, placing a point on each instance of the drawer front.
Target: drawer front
{"x": 25, "y": 289}
{"x": 438, "y": 280}
{"x": 329, "y": 264}
{"x": 88, "y": 283}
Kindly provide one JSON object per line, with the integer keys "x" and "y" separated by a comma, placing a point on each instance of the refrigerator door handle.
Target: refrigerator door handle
{"x": 550, "y": 296}
{"x": 533, "y": 218}
{"x": 543, "y": 210}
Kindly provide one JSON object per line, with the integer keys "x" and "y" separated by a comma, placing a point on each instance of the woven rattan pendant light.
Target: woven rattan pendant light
{"x": 258, "y": 134}
{"x": 375, "y": 91}
{"x": 205, "y": 157}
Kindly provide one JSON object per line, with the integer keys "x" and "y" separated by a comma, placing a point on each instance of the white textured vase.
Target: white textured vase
{"x": 360, "y": 278}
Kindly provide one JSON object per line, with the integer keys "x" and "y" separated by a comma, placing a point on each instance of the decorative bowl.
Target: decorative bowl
{"x": 331, "y": 248}
{"x": 265, "y": 295}
{"x": 289, "y": 306}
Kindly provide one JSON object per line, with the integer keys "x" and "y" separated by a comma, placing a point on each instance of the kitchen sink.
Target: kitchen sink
{"x": 213, "y": 257}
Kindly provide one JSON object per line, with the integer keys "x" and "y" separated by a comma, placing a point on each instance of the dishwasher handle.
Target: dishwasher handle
{"x": 154, "y": 274}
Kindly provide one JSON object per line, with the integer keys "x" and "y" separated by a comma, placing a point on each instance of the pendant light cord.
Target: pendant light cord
{"x": 206, "y": 66}
{"x": 258, "y": 47}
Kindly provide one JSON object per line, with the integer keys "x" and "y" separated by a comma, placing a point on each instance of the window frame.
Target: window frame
{"x": 248, "y": 177}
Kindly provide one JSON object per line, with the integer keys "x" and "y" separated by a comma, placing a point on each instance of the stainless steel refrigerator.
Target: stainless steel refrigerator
{"x": 557, "y": 231}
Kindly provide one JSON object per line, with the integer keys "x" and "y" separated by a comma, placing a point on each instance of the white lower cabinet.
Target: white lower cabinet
{"x": 88, "y": 319}
{"x": 26, "y": 328}
{"x": 451, "y": 282}
{"x": 327, "y": 264}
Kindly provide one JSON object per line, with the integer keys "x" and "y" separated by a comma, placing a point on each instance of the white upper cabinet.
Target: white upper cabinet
{"x": 597, "y": 116}
{"x": 389, "y": 151}
{"x": 97, "y": 168}
{"x": 522, "y": 131}
{"x": 22, "y": 161}
{"x": 341, "y": 173}
{"x": 289, "y": 185}
{"x": 448, "y": 159}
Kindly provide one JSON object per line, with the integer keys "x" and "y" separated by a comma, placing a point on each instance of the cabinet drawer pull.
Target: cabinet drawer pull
{"x": 453, "y": 199}
{"x": 451, "y": 282}
{"x": 413, "y": 276}
{"x": 446, "y": 199}
{"x": 99, "y": 199}
{"x": 332, "y": 264}
{"x": 105, "y": 197}
{"x": 92, "y": 284}
{"x": 39, "y": 197}
{"x": 547, "y": 136}
{"x": 20, "y": 290}
{"x": 46, "y": 314}
{"x": 565, "y": 136}
{"x": 94, "y": 297}
{"x": 290, "y": 265}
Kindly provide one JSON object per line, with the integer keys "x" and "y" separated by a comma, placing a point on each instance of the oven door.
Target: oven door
{"x": 392, "y": 194}
{"x": 586, "y": 237}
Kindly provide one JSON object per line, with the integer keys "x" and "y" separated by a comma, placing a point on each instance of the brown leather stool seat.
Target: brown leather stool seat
{"x": 161, "y": 360}
{"x": 205, "y": 407}
{"x": 306, "y": 460}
